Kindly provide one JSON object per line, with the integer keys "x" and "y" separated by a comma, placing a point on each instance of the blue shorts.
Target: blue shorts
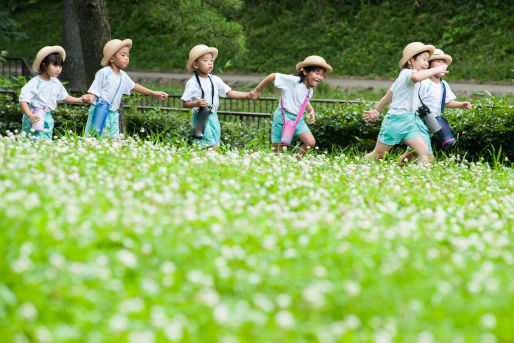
{"x": 398, "y": 127}
{"x": 111, "y": 127}
{"x": 26, "y": 125}
{"x": 212, "y": 133}
{"x": 278, "y": 123}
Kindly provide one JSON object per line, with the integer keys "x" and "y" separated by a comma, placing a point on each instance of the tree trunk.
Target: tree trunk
{"x": 94, "y": 33}
{"x": 73, "y": 69}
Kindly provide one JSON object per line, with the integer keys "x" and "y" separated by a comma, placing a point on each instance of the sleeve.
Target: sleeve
{"x": 128, "y": 84}
{"x": 449, "y": 93}
{"x": 283, "y": 81}
{"x": 27, "y": 92}
{"x": 402, "y": 79}
{"x": 62, "y": 93}
{"x": 188, "y": 92}
{"x": 96, "y": 86}
{"x": 223, "y": 88}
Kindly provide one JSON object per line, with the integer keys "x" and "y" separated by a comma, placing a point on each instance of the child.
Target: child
{"x": 431, "y": 93}
{"x": 109, "y": 85}
{"x": 297, "y": 90}
{"x": 401, "y": 123}
{"x": 204, "y": 89}
{"x": 40, "y": 95}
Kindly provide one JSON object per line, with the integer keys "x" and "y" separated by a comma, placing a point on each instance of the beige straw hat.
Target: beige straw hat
{"x": 197, "y": 52}
{"x": 47, "y": 50}
{"x": 112, "y": 47}
{"x": 440, "y": 55}
{"x": 316, "y": 61}
{"x": 413, "y": 49}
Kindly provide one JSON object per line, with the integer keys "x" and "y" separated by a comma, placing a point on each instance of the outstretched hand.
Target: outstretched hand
{"x": 255, "y": 94}
{"x": 86, "y": 99}
{"x": 160, "y": 95}
{"x": 466, "y": 105}
{"x": 370, "y": 115}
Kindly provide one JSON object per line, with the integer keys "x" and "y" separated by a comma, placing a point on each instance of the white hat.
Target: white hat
{"x": 316, "y": 61}
{"x": 440, "y": 55}
{"x": 413, "y": 49}
{"x": 197, "y": 52}
{"x": 47, "y": 50}
{"x": 112, "y": 47}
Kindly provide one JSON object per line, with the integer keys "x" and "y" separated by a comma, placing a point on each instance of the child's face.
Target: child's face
{"x": 314, "y": 77}
{"x": 437, "y": 63}
{"x": 204, "y": 64}
{"x": 421, "y": 62}
{"x": 53, "y": 70}
{"x": 121, "y": 58}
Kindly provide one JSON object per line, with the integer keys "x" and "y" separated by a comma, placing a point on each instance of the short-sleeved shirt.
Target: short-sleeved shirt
{"x": 432, "y": 93}
{"x": 192, "y": 91}
{"x": 405, "y": 93}
{"x": 37, "y": 91}
{"x": 105, "y": 84}
{"x": 294, "y": 92}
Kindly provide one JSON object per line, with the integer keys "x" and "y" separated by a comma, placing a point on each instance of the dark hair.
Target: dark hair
{"x": 308, "y": 69}
{"x": 53, "y": 58}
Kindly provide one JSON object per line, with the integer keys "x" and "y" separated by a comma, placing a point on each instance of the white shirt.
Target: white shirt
{"x": 36, "y": 92}
{"x": 405, "y": 93}
{"x": 294, "y": 92}
{"x": 192, "y": 91}
{"x": 432, "y": 93}
{"x": 105, "y": 84}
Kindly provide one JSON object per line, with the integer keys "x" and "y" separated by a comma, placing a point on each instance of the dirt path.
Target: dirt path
{"x": 459, "y": 88}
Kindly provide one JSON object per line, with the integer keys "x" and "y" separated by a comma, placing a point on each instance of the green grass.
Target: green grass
{"x": 141, "y": 242}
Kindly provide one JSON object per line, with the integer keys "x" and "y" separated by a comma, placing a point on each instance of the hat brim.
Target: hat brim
{"x": 414, "y": 52}
{"x": 447, "y": 58}
{"x": 198, "y": 54}
{"x": 47, "y": 50}
{"x": 326, "y": 66}
{"x": 114, "y": 49}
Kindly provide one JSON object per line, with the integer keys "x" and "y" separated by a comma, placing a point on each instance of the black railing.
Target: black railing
{"x": 16, "y": 66}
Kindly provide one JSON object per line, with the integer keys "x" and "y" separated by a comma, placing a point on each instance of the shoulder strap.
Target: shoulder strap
{"x": 117, "y": 89}
{"x": 49, "y": 96}
{"x": 302, "y": 109}
{"x": 444, "y": 97}
{"x": 200, "y": 85}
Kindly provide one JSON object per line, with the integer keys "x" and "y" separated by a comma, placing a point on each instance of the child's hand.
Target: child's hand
{"x": 313, "y": 117}
{"x": 255, "y": 95}
{"x": 370, "y": 115}
{"x": 86, "y": 99}
{"x": 200, "y": 103}
{"x": 466, "y": 105}
{"x": 33, "y": 118}
{"x": 443, "y": 69}
{"x": 160, "y": 95}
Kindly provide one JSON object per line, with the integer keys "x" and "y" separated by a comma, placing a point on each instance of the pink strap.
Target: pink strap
{"x": 49, "y": 97}
{"x": 302, "y": 109}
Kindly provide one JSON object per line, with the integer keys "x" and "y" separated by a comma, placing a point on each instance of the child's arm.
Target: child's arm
{"x": 257, "y": 91}
{"x": 374, "y": 114}
{"x": 457, "y": 104}
{"x": 239, "y": 95}
{"x": 425, "y": 74}
{"x": 88, "y": 98}
{"x": 197, "y": 103}
{"x": 156, "y": 94}
{"x": 73, "y": 100}
{"x": 25, "y": 108}
{"x": 311, "y": 113}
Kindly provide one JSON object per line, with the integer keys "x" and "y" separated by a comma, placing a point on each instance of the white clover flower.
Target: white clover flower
{"x": 488, "y": 321}
{"x": 221, "y": 313}
{"x": 43, "y": 334}
{"x": 173, "y": 330}
{"x": 128, "y": 258}
{"x": 284, "y": 319}
{"x": 141, "y": 337}
{"x": 425, "y": 337}
{"x": 118, "y": 323}
{"x": 28, "y": 311}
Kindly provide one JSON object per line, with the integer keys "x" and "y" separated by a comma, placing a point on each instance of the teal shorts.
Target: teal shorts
{"x": 26, "y": 125}
{"x": 278, "y": 123}
{"x": 212, "y": 133}
{"x": 426, "y": 138}
{"x": 398, "y": 127}
{"x": 111, "y": 127}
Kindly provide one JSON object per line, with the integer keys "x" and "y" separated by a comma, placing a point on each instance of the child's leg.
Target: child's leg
{"x": 308, "y": 142}
{"x": 420, "y": 147}
{"x": 410, "y": 155}
{"x": 379, "y": 151}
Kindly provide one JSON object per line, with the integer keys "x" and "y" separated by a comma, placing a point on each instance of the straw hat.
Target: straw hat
{"x": 47, "y": 50}
{"x": 440, "y": 55}
{"x": 197, "y": 52}
{"x": 112, "y": 47}
{"x": 314, "y": 61}
{"x": 413, "y": 49}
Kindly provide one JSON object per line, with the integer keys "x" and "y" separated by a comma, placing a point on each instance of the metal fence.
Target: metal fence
{"x": 16, "y": 66}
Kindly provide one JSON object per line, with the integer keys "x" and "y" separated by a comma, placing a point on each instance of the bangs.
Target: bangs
{"x": 55, "y": 59}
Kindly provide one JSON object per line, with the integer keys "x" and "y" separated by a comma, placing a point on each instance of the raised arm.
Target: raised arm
{"x": 72, "y": 100}
{"x": 374, "y": 114}
{"x": 156, "y": 94}
{"x": 458, "y": 104}
{"x": 239, "y": 95}
{"x": 267, "y": 80}
{"x": 425, "y": 74}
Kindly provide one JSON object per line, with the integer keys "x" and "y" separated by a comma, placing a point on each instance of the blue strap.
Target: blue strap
{"x": 444, "y": 98}
{"x": 115, "y": 93}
